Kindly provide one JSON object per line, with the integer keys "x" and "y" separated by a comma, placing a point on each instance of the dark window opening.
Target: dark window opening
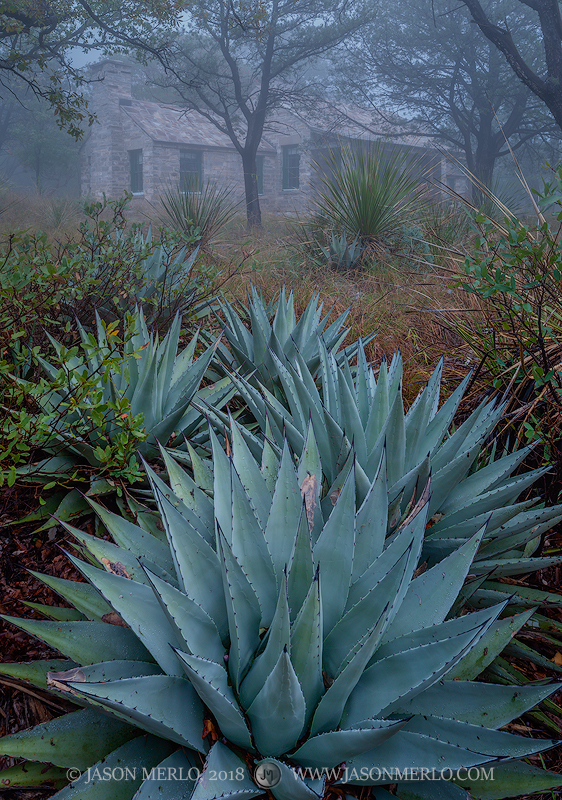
{"x": 291, "y": 159}
{"x": 191, "y": 170}
{"x": 135, "y": 163}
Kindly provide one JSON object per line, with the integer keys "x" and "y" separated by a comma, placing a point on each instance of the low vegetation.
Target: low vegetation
{"x": 305, "y": 536}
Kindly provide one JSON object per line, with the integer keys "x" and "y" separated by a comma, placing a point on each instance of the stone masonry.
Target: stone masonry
{"x": 162, "y": 132}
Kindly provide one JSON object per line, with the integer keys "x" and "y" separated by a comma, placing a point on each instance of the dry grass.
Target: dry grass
{"x": 58, "y": 217}
{"x": 409, "y": 309}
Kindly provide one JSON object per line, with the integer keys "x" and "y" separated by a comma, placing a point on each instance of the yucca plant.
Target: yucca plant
{"x": 275, "y": 332}
{"x": 271, "y": 641}
{"x": 199, "y": 209}
{"x": 369, "y": 191}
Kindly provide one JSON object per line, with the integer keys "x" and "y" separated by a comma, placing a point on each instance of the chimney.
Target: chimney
{"x": 111, "y": 82}
{"x": 105, "y": 167}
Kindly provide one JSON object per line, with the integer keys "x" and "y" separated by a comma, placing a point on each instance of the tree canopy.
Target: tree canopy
{"x": 37, "y": 38}
{"x": 237, "y": 62}
{"x": 437, "y": 66}
{"x": 543, "y": 79}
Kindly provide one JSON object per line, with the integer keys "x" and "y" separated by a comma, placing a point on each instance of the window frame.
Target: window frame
{"x": 291, "y": 173}
{"x": 136, "y": 171}
{"x": 187, "y": 152}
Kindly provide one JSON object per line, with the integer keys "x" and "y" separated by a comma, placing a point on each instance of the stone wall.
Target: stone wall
{"x": 104, "y": 159}
{"x": 105, "y": 162}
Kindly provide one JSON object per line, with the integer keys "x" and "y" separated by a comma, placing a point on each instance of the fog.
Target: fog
{"x": 430, "y": 78}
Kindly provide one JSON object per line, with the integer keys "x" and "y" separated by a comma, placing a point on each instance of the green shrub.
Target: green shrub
{"x": 105, "y": 400}
{"x": 515, "y": 269}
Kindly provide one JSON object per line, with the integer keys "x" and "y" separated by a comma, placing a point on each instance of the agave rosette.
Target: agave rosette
{"x": 357, "y": 417}
{"x": 158, "y": 382}
{"x": 275, "y": 331}
{"x": 306, "y": 634}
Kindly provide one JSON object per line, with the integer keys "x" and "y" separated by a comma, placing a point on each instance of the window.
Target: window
{"x": 191, "y": 170}
{"x": 135, "y": 163}
{"x": 259, "y": 173}
{"x": 291, "y": 160}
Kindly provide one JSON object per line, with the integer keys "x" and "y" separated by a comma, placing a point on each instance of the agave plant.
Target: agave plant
{"x": 340, "y": 253}
{"x": 274, "y": 332}
{"x": 271, "y": 636}
{"x": 158, "y": 382}
{"x": 357, "y": 419}
{"x": 111, "y": 403}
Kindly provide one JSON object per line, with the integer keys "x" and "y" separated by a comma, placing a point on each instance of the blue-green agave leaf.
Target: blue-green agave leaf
{"x": 211, "y": 684}
{"x": 142, "y": 753}
{"x": 138, "y": 606}
{"x": 435, "y": 591}
{"x": 82, "y": 596}
{"x": 333, "y": 551}
{"x": 160, "y": 785}
{"x": 278, "y": 712}
{"x": 278, "y": 638}
{"x": 161, "y": 704}
{"x": 244, "y": 614}
{"x": 238, "y": 787}
{"x": 85, "y": 642}
{"x": 306, "y": 647}
{"x": 78, "y": 739}
{"x": 492, "y": 705}
{"x": 193, "y": 625}
{"x": 328, "y": 749}
{"x": 284, "y": 516}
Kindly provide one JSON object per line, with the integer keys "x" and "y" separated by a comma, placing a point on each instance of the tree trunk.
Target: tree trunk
{"x": 253, "y": 211}
{"x": 485, "y": 154}
{"x": 549, "y": 90}
{"x": 484, "y": 162}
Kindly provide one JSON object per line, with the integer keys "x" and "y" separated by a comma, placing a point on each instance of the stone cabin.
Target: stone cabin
{"x": 144, "y": 147}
